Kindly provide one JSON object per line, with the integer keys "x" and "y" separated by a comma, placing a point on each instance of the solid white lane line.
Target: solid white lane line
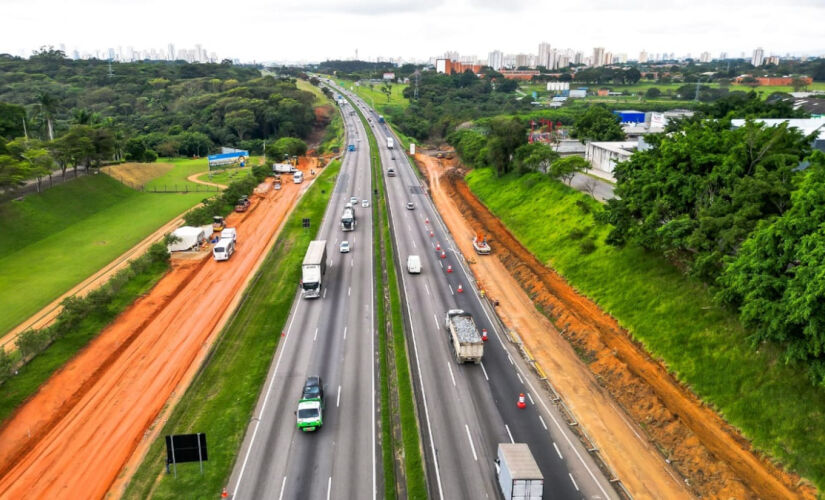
{"x": 519, "y": 377}
{"x": 542, "y": 422}
{"x": 451, "y": 372}
{"x": 574, "y": 481}
{"x": 316, "y": 335}
{"x": 484, "y": 371}
{"x": 283, "y": 484}
{"x": 349, "y": 291}
{"x": 338, "y": 399}
{"x": 509, "y": 433}
{"x": 329, "y": 486}
{"x": 266, "y": 399}
{"x": 345, "y": 332}
{"x": 427, "y": 288}
{"x": 451, "y": 288}
{"x": 558, "y": 452}
{"x": 530, "y": 398}
{"x": 472, "y": 446}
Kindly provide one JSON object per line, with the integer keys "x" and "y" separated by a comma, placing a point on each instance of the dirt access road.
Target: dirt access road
{"x": 712, "y": 458}
{"x": 73, "y": 437}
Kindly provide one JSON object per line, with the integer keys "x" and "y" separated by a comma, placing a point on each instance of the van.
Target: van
{"x": 298, "y": 177}
{"x": 390, "y": 172}
{"x": 223, "y": 249}
{"x": 230, "y": 233}
{"x": 414, "y": 264}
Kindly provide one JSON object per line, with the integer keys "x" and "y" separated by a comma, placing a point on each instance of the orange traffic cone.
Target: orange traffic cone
{"x": 443, "y": 254}
{"x": 459, "y": 289}
{"x": 484, "y": 334}
{"x": 449, "y": 269}
{"x": 224, "y": 494}
{"x": 427, "y": 221}
{"x": 521, "y": 403}
{"x": 437, "y": 246}
{"x": 431, "y": 234}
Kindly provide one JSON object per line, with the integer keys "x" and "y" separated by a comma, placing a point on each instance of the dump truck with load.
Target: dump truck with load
{"x": 313, "y": 269}
{"x": 518, "y": 473}
{"x": 463, "y": 336}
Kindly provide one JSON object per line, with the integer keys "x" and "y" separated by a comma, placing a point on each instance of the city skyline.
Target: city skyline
{"x": 277, "y": 31}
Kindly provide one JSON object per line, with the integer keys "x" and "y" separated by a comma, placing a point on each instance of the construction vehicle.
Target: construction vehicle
{"x": 313, "y": 269}
{"x": 243, "y": 204}
{"x": 518, "y": 473}
{"x": 310, "y": 414}
{"x": 480, "y": 245}
{"x": 463, "y": 336}
{"x": 283, "y": 168}
{"x": 218, "y": 223}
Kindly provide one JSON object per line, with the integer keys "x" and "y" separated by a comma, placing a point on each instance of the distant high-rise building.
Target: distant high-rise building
{"x": 578, "y": 58}
{"x": 452, "y": 55}
{"x": 704, "y": 57}
{"x": 170, "y": 53}
{"x": 758, "y": 57}
{"x": 772, "y": 60}
{"x": 723, "y": 55}
{"x": 598, "y": 57}
{"x": 620, "y": 58}
{"x": 495, "y": 60}
{"x": 522, "y": 60}
{"x": 545, "y": 55}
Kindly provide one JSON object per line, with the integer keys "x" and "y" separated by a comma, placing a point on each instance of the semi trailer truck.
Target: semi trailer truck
{"x": 313, "y": 269}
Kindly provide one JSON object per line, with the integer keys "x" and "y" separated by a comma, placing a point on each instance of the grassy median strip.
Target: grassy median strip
{"x": 222, "y": 396}
{"x": 415, "y": 480}
{"x": 674, "y": 317}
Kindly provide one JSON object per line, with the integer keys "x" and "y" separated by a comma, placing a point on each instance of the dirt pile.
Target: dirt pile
{"x": 72, "y": 437}
{"x": 715, "y": 460}
{"x": 137, "y": 174}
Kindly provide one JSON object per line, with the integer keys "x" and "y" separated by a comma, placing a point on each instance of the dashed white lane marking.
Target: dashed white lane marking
{"x": 530, "y": 398}
{"x": 574, "y": 481}
{"x": 519, "y": 377}
{"x": 484, "y": 371}
{"x": 283, "y": 485}
{"x": 435, "y": 318}
{"x": 349, "y": 291}
{"x": 472, "y": 446}
{"x": 345, "y": 332}
{"x": 338, "y": 399}
{"x": 427, "y": 288}
{"x": 451, "y": 289}
{"x": 316, "y": 335}
{"x": 542, "y": 422}
{"x": 329, "y": 487}
{"x": 451, "y": 372}
{"x": 414, "y": 245}
{"x": 509, "y": 358}
{"x": 325, "y": 293}
{"x": 558, "y": 452}
{"x": 509, "y": 433}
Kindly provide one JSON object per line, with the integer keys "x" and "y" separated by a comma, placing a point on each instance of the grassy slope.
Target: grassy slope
{"x": 379, "y": 98}
{"x": 222, "y": 397}
{"x": 38, "y": 370}
{"x": 184, "y": 167}
{"x": 226, "y": 176}
{"x": 773, "y": 404}
{"x": 320, "y": 98}
{"x": 61, "y": 237}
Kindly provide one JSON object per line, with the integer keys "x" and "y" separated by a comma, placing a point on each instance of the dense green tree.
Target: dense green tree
{"x": 47, "y": 104}
{"x": 776, "y": 279}
{"x": 696, "y": 195}
{"x": 565, "y": 168}
{"x": 598, "y": 124}
{"x": 12, "y": 118}
{"x": 13, "y": 172}
{"x": 653, "y": 93}
{"x": 506, "y": 135}
{"x": 241, "y": 121}
{"x": 470, "y": 144}
{"x": 533, "y": 157}
{"x": 285, "y": 146}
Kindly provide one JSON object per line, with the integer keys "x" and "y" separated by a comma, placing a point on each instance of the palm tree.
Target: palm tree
{"x": 48, "y": 105}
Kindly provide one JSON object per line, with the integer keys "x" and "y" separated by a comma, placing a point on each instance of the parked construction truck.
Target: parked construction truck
{"x": 313, "y": 269}
{"x": 348, "y": 220}
{"x": 463, "y": 336}
{"x": 518, "y": 473}
{"x": 480, "y": 245}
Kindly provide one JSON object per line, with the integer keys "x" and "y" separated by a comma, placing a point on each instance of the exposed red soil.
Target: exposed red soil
{"x": 712, "y": 456}
{"x": 75, "y": 434}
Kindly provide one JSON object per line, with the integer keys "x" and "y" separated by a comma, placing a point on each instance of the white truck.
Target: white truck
{"x": 313, "y": 269}
{"x": 518, "y": 473}
{"x": 283, "y": 168}
{"x": 389, "y": 143}
{"x": 348, "y": 219}
{"x": 463, "y": 336}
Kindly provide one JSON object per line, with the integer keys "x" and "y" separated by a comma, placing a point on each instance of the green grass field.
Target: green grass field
{"x": 227, "y": 176}
{"x": 222, "y": 397}
{"x": 177, "y": 178}
{"x": 377, "y": 98}
{"x": 52, "y": 241}
{"x": 675, "y": 318}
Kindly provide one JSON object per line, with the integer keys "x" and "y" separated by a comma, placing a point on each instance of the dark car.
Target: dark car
{"x": 313, "y": 388}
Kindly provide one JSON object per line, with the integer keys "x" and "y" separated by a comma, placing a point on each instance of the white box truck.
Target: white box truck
{"x": 518, "y": 473}
{"x": 313, "y": 269}
{"x": 463, "y": 336}
{"x": 389, "y": 143}
{"x": 283, "y": 168}
{"x": 348, "y": 219}
{"x": 414, "y": 264}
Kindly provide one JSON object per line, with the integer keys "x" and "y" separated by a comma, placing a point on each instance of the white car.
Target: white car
{"x": 365, "y": 203}
{"x": 344, "y": 248}
{"x": 354, "y": 200}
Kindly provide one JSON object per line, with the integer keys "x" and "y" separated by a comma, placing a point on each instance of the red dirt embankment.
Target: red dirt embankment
{"x": 71, "y": 439}
{"x": 712, "y": 457}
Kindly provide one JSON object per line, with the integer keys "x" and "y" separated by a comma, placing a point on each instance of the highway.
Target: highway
{"x": 334, "y": 337}
{"x": 466, "y": 410}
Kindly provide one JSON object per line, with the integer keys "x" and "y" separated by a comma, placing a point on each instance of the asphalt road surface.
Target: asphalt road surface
{"x": 332, "y": 336}
{"x": 467, "y": 409}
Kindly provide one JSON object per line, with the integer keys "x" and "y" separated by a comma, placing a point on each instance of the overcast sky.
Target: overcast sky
{"x": 314, "y": 30}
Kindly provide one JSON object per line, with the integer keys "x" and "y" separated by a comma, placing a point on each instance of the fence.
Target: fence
{"x": 168, "y": 188}
{"x": 34, "y": 186}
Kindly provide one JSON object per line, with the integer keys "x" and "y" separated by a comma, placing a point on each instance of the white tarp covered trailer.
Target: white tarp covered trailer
{"x": 188, "y": 238}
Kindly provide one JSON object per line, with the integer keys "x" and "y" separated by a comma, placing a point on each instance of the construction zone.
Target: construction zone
{"x": 74, "y": 436}
{"x": 657, "y": 436}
